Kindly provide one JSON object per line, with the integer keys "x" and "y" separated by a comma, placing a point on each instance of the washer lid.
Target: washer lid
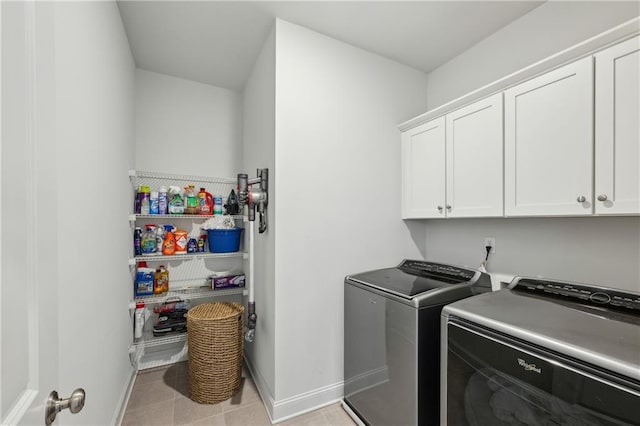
{"x": 413, "y": 277}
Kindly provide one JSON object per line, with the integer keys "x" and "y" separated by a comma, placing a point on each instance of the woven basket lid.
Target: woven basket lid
{"x": 217, "y": 310}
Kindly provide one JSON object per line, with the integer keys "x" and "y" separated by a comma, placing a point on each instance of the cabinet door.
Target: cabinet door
{"x": 549, "y": 143}
{"x": 423, "y": 171}
{"x": 474, "y": 159}
{"x": 617, "y": 129}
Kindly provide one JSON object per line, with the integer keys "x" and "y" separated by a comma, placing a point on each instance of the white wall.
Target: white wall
{"x": 94, "y": 137}
{"x": 546, "y": 30}
{"x": 597, "y": 250}
{"x": 185, "y": 127}
{"x": 259, "y": 152}
{"x": 337, "y": 205}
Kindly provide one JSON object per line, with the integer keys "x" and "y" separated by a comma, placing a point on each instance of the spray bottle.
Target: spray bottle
{"x": 169, "y": 243}
{"x": 176, "y": 204}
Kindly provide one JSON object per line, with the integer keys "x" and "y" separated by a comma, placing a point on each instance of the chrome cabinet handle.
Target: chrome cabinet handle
{"x": 602, "y": 197}
{"x": 581, "y": 199}
{"x": 74, "y": 403}
{"x": 439, "y": 208}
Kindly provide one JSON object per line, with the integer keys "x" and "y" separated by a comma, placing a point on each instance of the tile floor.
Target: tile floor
{"x": 160, "y": 396}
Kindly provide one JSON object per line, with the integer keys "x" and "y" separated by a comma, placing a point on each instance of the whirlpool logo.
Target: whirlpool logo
{"x": 529, "y": 367}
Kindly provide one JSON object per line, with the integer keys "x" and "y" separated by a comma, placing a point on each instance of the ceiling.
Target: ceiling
{"x": 217, "y": 42}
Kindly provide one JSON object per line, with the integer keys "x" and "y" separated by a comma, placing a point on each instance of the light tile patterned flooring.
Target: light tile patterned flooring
{"x": 160, "y": 396}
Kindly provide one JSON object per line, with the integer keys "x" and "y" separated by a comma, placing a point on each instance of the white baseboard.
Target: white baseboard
{"x": 294, "y": 406}
{"x": 261, "y": 385}
{"x": 309, "y": 401}
{"x": 124, "y": 399}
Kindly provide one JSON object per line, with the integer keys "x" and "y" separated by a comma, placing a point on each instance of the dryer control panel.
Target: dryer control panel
{"x": 585, "y": 294}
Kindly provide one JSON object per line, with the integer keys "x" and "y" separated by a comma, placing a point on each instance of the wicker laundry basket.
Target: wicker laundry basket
{"x": 215, "y": 351}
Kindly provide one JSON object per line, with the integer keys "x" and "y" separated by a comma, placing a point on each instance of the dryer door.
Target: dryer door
{"x": 495, "y": 380}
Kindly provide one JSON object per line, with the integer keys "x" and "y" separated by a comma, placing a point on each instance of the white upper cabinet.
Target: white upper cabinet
{"x": 474, "y": 160}
{"x": 549, "y": 143}
{"x": 423, "y": 171}
{"x": 617, "y": 129}
{"x": 457, "y": 172}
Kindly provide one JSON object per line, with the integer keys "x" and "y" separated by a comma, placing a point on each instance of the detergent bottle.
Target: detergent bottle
{"x": 205, "y": 202}
{"x": 182, "y": 239}
{"x": 161, "y": 283}
{"x": 148, "y": 243}
{"x": 169, "y": 243}
{"x": 191, "y": 206}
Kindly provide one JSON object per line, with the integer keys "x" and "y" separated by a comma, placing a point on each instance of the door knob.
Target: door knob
{"x": 602, "y": 197}
{"x": 74, "y": 403}
{"x": 448, "y": 207}
{"x": 582, "y": 199}
{"x": 439, "y": 208}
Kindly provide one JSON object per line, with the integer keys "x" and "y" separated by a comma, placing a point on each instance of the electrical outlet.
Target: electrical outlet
{"x": 489, "y": 241}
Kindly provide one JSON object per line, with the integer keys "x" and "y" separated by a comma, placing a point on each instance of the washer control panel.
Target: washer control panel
{"x": 421, "y": 267}
{"x": 585, "y": 294}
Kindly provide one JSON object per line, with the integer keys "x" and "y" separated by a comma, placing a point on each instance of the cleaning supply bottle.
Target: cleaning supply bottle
{"x": 161, "y": 283}
{"x": 181, "y": 241}
{"x": 176, "y": 204}
{"x": 144, "y": 281}
{"x": 153, "y": 203}
{"x": 169, "y": 243}
{"x": 217, "y": 204}
{"x": 163, "y": 206}
{"x": 137, "y": 241}
{"x": 139, "y": 320}
{"x": 148, "y": 243}
{"x": 145, "y": 200}
{"x": 205, "y": 202}
{"x": 191, "y": 205}
{"x": 159, "y": 231}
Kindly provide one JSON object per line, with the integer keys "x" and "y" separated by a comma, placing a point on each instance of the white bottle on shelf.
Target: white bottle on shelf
{"x": 138, "y": 320}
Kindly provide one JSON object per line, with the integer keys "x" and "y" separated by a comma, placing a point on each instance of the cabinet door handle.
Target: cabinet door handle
{"x": 439, "y": 208}
{"x": 582, "y": 199}
{"x": 602, "y": 197}
{"x": 448, "y": 207}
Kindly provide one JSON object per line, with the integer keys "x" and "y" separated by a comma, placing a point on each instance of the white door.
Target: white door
{"x": 617, "y": 129}
{"x": 423, "y": 171}
{"x": 549, "y": 143}
{"x": 474, "y": 159}
{"x": 28, "y": 287}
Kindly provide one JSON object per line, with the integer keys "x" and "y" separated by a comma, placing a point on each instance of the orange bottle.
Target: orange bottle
{"x": 181, "y": 240}
{"x": 161, "y": 282}
{"x": 169, "y": 243}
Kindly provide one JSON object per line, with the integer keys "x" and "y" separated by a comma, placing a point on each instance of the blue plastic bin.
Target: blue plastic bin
{"x": 224, "y": 240}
